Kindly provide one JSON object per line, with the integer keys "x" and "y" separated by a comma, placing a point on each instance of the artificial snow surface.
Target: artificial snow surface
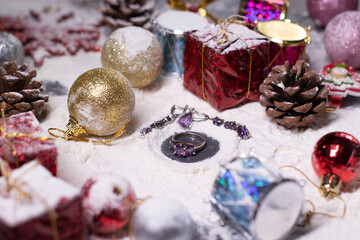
{"x": 134, "y": 46}
{"x": 141, "y": 162}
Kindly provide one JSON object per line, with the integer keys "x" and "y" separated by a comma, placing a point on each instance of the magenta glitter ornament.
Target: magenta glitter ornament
{"x": 322, "y": 11}
{"x": 341, "y": 38}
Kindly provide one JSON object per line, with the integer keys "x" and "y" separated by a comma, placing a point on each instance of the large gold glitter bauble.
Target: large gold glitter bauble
{"x": 135, "y": 53}
{"x": 101, "y": 100}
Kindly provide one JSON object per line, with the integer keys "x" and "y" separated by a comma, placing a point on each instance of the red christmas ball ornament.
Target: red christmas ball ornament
{"x": 108, "y": 201}
{"x": 322, "y": 11}
{"x": 336, "y": 160}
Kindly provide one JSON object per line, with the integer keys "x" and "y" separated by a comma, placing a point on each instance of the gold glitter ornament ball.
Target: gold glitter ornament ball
{"x": 101, "y": 100}
{"x": 135, "y": 53}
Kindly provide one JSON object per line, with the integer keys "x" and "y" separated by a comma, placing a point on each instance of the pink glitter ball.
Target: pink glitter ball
{"x": 341, "y": 38}
{"x": 322, "y": 11}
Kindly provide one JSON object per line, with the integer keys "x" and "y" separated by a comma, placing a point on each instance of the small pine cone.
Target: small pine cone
{"x": 125, "y": 13}
{"x": 19, "y": 91}
{"x": 293, "y": 97}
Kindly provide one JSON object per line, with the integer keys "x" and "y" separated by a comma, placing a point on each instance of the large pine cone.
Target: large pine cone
{"x": 293, "y": 97}
{"x": 19, "y": 91}
{"x": 125, "y": 13}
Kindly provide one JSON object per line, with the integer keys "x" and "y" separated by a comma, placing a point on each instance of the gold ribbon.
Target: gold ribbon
{"x": 222, "y": 38}
{"x": 312, "y": 212}
{"x": 73, "y": 136}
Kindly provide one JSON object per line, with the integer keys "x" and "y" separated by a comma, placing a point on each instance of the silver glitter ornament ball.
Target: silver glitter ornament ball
{"x": 135, "y": 52}
{"x": 162, "y": 218}
{"x": 341, "y": 38}
{"x": 11, "y": 49}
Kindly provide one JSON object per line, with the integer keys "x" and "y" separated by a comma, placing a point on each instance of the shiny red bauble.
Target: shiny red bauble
{"x": 108, "y": 202}
{"x": 337, "y": 153}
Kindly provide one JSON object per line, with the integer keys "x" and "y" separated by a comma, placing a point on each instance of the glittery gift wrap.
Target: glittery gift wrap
{"x": 25, "y": 209}
{"x": 27, "y": 148}
{"x": 225, "y": 78}
{"x": 247, "y": 193}
{"x": 263, "y": 10}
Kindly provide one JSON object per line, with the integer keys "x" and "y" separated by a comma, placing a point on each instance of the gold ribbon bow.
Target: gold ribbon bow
{"x": 223, "y": 38}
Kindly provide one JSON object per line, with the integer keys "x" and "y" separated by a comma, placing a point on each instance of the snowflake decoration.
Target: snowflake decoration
{"x": 52, "y": 33}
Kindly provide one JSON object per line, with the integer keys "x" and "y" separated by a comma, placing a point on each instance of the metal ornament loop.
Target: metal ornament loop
{"x": 201, "y": 117}
{"x": 175, "y": 108}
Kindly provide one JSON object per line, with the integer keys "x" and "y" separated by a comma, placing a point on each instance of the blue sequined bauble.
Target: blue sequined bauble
{"x": 11, "y": 49}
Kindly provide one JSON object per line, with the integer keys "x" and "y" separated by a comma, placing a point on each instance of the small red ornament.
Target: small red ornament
{"x": 108, "y": 202}
{"x": 336, "y": 159}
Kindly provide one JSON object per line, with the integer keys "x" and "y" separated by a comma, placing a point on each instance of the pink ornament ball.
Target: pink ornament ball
{"x": 322, "y": 11}
{"x": 108, "y": 201}
{"x": 342, "y": 38}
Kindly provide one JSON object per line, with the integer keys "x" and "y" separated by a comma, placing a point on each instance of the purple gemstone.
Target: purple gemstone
{"x": 172, "y": 145}
{"x": 190, "y": 150}
{"x": 186, "y": 120}
{"x": 145, "y": 131}
{"x": 218, "y": 121}
{"x": 243, "y": 132}
{"x": 230, "y": 125}
{"x": 158, "y": 124}
{"x": 179, "y": 150}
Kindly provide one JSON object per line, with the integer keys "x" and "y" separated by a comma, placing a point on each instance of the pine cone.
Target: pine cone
{"x": 293, "y": 97}
{"x": 19, "y": 91}
{"x": 125, "y": 13}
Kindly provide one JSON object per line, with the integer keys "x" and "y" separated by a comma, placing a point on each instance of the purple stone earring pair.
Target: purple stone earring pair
{"x": 188, "y": 115}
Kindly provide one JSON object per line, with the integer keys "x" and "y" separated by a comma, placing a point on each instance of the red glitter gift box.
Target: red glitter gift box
{"x": 21, "y": 146}
{"x": 225, "y": 65}
{"x": 37, "y": 206}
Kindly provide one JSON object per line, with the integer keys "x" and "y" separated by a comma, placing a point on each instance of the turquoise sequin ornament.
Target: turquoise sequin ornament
{"x": 256, "y": 199}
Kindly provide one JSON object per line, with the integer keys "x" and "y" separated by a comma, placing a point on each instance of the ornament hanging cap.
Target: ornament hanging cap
{"x": 329, "y": 188}
{"x": 330, "y": 185}
{"x": 74, "y": 129}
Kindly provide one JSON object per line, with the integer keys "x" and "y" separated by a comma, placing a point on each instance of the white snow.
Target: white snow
{"x": 141, "y": 162}
{"x": 134, "y": 46}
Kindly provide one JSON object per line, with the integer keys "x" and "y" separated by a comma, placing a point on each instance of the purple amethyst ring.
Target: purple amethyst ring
{"x": 187, "y": 144}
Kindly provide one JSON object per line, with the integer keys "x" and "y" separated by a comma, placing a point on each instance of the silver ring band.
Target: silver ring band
{"x": 187, "y": 149}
